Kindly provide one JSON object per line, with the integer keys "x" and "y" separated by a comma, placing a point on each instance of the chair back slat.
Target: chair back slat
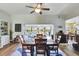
{"x": 40, "y": 45}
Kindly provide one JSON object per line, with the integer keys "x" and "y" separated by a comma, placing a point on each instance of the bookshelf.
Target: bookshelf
{"x": 4, "y": 34}
{"x": 3, "y": 28}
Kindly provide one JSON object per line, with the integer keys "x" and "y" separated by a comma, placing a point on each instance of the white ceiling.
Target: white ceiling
{"x": 63, "y": 9}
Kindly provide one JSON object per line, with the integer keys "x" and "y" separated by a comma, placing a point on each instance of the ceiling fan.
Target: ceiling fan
{"x": 38, "y": 8}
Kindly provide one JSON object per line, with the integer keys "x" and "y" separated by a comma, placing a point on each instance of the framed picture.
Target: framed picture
{"x": 59, "y": 26}
{"x": 17, "y": 27}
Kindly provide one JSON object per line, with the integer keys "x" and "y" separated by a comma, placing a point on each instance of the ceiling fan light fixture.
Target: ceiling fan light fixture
{"x": 37, "y": 10}
{"x": 38, "y": 6}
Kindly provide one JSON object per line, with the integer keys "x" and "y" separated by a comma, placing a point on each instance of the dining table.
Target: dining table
{"x": 32, "y": 44}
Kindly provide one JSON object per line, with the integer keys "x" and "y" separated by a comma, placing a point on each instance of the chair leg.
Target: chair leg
{"x": 48, "y": 53}
{"x": 44, "y": 53}
{"x": 36, "y": 53}
{"x": 57, "y": 51}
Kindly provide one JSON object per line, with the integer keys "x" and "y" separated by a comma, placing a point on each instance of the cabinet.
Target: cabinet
{"x": 4, "y": 40}
{"x": 4, "y": 36}
{"x": 3, "y": 28}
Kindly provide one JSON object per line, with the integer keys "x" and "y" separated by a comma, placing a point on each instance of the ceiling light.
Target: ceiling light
{"x": 37, "y": 10}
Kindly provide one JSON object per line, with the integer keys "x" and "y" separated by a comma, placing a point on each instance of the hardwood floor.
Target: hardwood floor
{"x": 69, "y": 51}
{"x": 7, "y": 50}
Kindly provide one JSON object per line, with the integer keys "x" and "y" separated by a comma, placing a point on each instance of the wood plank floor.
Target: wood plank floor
{"x": 9, "y": 49}
{"x": 69, "y": 51}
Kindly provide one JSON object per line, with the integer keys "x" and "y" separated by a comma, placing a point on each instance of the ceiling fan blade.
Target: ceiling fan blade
{"x": 45, "y": 8}
{"x": 32, "y": 11}
{"x": 40, "y": 4}
{"x": 30, "y": 6}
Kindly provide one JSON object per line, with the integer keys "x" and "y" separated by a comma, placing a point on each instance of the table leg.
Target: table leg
{"x": 48, "y": 52}
{"x": 32, "y": 50}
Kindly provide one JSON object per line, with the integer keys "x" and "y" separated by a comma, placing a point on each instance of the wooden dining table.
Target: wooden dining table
{"x": 32, "y": 44}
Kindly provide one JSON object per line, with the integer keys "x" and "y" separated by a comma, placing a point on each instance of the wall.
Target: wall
{"x": 36, "y": 19}
{"x": 5, "y": 16}
{"x": 50, "y": 19}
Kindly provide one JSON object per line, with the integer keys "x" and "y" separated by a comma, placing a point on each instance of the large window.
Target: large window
{"x": 34, "y": 29}
{"x": 72, "y": 26}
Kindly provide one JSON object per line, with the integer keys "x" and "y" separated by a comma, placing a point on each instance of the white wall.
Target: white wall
{"x": 50, "y": 19}
{"x": 22, "y": 19}
{"x": 5, "y": 16}
{"x": 37, "y": 19}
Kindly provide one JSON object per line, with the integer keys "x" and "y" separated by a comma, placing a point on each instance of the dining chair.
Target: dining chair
{"x": 26, "y": 49}
{"x": 40, "y": 46}
{"x": 53, "y": 47}
{"x": 52, "y": 36}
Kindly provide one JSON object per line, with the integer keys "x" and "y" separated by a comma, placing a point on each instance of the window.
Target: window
{"x": 17, "y": 27}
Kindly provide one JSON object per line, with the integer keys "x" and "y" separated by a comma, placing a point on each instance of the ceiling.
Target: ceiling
{"x": 66, "y": 10}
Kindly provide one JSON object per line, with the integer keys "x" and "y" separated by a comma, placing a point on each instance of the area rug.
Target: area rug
{"x": 18, "y": 52}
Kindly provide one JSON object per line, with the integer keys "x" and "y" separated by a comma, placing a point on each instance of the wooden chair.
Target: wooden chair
{"x": 63, "y": 39}
{"x": 40, "y": 46}
{"x": 27, "y": 49}
{"x": 16, "y": 39}
{"x": 39, "y": 35}
{"x": 52, "y": 37}
{"x": 53, "y": 47}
